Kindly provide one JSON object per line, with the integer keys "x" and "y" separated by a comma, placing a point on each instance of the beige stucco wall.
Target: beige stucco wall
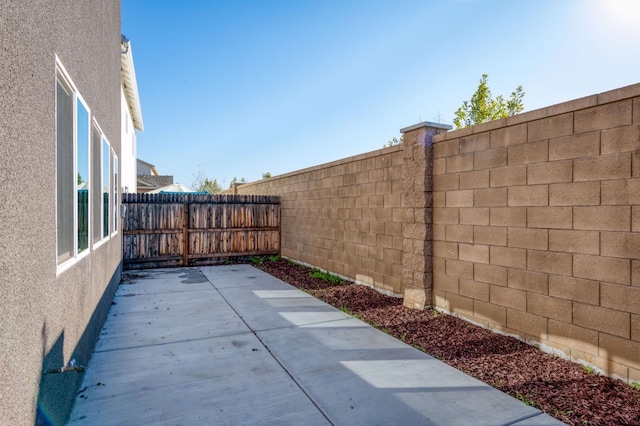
{"x": 46, "y": 318}
{"x": 537, "y": 227}
{"x": 345, "y": 217}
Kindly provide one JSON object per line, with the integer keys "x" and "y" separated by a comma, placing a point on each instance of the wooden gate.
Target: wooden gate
{"x": 188, "y": 229}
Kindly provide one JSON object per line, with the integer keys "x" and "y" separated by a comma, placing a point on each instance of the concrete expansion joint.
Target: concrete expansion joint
{"x": 295, "y": 380}
{"x": 523, "y": 418}
{"x": 273, "y": 355}
{"x": 120, "y": 296}
{"x": 170, "y": 343}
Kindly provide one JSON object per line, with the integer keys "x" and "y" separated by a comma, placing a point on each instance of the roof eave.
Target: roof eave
{"x": 130, "y": 84}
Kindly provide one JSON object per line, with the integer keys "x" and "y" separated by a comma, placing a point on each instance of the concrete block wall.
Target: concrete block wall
{"x": 345, "y": 217}
{"x": 536, "y": 227}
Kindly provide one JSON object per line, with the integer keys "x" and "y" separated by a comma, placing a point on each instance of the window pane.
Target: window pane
{"x": 82, "y": 127}
{"x": 96, "y": 183}
{"x": 64, "y": 170}
{"x": 115, "y": 194}
{"x": 106, "y": 177}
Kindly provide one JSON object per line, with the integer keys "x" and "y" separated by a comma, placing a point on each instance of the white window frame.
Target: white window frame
{"x": 75, "y": 180}
{"x": 103, "y": 139}
{"x": 109, "y": 151}
{"x": 114, "y": 193}
{"x": 75, "y": 257}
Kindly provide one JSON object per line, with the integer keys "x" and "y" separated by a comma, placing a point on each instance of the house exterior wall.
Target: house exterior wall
{"x": 536, "y": 227}
{"x": 49, "y": 318}
{"x": 129, "y": 150}
{"x": 144, "y": 169}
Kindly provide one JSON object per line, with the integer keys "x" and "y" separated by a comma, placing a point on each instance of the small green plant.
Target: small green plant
{"x": 404, "y": 337}
{"x": 325, "y": 276}
{"x": 385, "y": 330}
{"x": 635, "y": 385}
{"x": 527, "y": 402}
{"x": 436, "y": 314}
{"x": 589, "y": 369}
{"x": 557, "y": 413}
{"x": 348, "y": 311}
{"x": 274, "y": 258}
{"x": 257, "y": 260}
{"x": 418, "y": 348}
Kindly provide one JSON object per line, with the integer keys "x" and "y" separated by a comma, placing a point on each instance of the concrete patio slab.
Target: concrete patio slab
{"x": 174, "y": 352}
{"x": 225, "y": 380}
{"x": 233, "y": 345}
{"x": 158, "y": 309}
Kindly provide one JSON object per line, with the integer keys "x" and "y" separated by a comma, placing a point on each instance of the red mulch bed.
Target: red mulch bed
{"x": 562, "y": 389}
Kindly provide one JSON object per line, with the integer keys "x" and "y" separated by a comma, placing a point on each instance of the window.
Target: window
{"x": 115, "y": 193}
{"x": 96, "y": 188}
{"x": 106, "y": 178}
{"x": 72, "y": 170}
{"x": 104, "y": 190}
{"x": 83, "y": 188}
{"x": 64, "y": 169}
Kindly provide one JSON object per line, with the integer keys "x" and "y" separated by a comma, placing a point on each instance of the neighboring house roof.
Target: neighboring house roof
{"x": 129, "y": 83}
{"x": 149, "y": 183}
{"x": 154, "y": 171}
{"x": 176, "y": 187}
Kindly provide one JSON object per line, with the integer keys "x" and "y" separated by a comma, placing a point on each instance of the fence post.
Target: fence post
{"x": 417, "y": 230}
{"x": 185, "y": 234}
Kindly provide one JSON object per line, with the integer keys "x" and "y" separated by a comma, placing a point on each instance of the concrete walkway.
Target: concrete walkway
{"x": 231, "y": 345}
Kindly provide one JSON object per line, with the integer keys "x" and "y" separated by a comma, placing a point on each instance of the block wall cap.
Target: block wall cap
{"x": 427, "y": 124}
{"x": 619, "y": 94}
{"x": 342, "y": 161}
{"x": 615, "y": 95}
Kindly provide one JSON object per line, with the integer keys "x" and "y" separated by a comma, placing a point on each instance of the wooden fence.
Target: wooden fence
{"x": 188, "y": 229}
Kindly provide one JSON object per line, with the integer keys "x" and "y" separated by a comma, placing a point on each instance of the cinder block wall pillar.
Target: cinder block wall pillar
{"x": 417, "y": 232}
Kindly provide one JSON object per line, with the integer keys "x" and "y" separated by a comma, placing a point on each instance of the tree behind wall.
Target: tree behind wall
{"x": 394, "y": 142}
{"x": 483, "y": 107}
{"x": 211, "y": 186}
{"x": 202, "y": 183}
{"x": 235, "y": 180}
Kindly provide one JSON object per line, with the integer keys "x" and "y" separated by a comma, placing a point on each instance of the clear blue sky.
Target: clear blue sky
{"x": 243, "y": 87}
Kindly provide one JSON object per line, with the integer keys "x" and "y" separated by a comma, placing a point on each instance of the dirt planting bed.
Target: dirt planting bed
{"x": 568, "y": 391}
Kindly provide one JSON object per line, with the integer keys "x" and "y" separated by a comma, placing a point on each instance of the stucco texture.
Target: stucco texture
{"x": 46, "y": 317}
